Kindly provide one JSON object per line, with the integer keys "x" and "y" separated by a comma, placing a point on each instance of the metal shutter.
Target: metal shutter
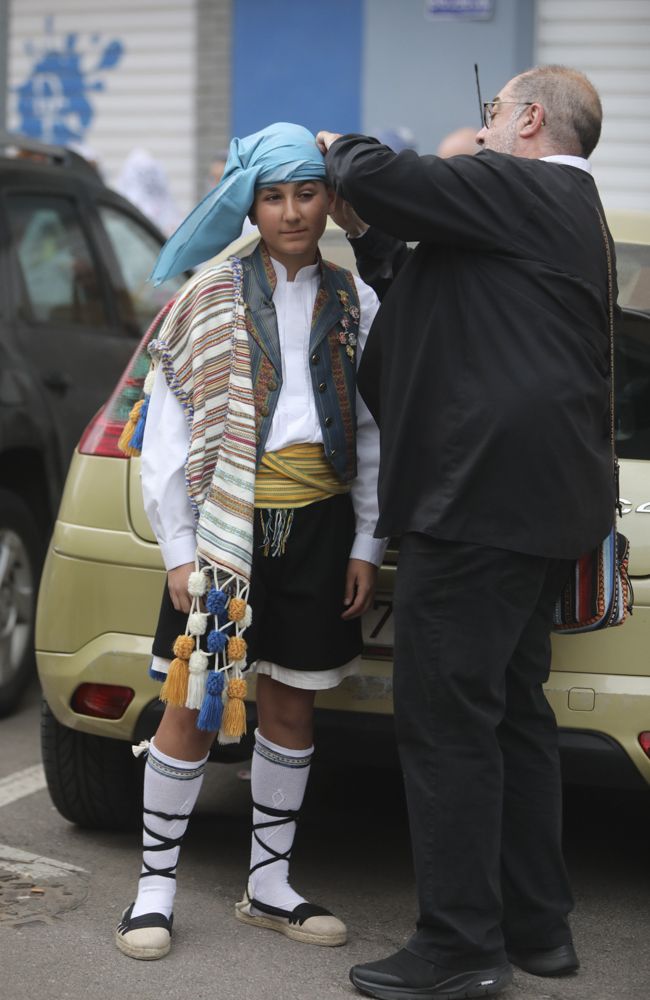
{"x": 610, "y": 42}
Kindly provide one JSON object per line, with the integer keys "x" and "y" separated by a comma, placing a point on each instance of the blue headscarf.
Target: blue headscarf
{"x": 278, "y": 154}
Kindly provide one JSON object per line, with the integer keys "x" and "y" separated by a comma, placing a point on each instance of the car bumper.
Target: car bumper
{"x": 104, "y": 637}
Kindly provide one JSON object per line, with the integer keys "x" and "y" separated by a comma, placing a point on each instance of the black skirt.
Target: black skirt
{"x": 296, "y": 597}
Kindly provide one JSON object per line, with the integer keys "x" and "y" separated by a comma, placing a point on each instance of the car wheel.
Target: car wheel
{"x": 93, "y": 781}
{"x": 20, "y": 563}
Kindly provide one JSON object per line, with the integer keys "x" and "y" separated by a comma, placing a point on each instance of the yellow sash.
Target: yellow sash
{"x": 295, "y": 477}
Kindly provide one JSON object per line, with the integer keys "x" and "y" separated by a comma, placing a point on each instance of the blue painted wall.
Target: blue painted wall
{"x": 296, "y": 61}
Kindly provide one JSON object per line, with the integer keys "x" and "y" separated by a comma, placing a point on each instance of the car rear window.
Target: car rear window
{"x": 633, "y": 270}
{"x": 136, "y": 250}
{"x": 632, "y": 385}
{"x": 60, "y": 283}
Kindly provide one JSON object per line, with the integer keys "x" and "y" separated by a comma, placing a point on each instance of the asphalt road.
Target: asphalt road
{"x": 62, "y": 890}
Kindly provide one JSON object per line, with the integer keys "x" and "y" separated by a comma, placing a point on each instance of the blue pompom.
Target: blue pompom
{"x": 216, "y": 641}
{"x": 212, "y": 708}
{"x": 216, "y": 601}
{"x": 137, "y": 438}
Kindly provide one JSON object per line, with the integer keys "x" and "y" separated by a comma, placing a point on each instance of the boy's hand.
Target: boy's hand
{"x": 177, "y": 581}
{"x": 345, "y": 217}
{"x": 360, "y": 581}
{"x": 325, "y": 139}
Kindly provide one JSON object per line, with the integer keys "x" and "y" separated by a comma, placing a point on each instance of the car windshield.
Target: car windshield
{"x": 633, "y": 270}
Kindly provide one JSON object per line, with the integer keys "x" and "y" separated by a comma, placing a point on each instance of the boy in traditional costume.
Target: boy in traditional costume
{"x": 259, "y": 473}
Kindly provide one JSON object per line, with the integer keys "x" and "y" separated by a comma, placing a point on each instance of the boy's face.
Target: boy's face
{"x": 291, "y": 219}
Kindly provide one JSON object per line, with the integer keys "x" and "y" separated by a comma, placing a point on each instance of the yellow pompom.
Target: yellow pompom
{"x": 184, "y": 647}
{"x": 174, "y": 690}
{"x": 236, "y": 648}
{"x": 233, "y": 722}
{"x": 237, "y": 688}
{"x": 236, "y": 609}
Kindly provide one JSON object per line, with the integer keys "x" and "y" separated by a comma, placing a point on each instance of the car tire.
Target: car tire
{"x": 94, "y": 782}
{"x": 20, "y": 568}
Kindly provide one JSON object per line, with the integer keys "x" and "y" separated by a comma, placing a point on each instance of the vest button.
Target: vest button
{"x": 272, "y": 384}
{"x": 315, "y": 358}
{"x": 328, "y": 421}
{"x": 322, "y": 387}
{"x": 264, "y": 410}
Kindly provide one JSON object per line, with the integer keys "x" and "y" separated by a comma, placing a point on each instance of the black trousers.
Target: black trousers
{"x": 478, "y": 746}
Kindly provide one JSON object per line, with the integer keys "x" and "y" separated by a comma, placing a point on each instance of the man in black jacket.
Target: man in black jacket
{"x": 487, "y": 370}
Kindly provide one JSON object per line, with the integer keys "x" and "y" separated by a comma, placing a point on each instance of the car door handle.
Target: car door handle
{"x": 57, "y": 382}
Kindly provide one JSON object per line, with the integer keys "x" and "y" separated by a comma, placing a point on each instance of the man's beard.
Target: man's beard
{"x": 506, "y": 140}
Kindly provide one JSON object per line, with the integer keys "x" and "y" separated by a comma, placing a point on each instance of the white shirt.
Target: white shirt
{"x": 295, "y": 421}
{"x": 569, "y": 160}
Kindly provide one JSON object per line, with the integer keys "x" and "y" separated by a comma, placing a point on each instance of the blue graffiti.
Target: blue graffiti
{"x": 54, "y": 102}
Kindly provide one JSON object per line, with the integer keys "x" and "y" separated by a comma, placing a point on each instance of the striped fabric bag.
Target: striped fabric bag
{"x": 598, "y": 594}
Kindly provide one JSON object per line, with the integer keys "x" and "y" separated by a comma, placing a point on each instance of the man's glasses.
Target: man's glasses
{"x": 491, "y": 107}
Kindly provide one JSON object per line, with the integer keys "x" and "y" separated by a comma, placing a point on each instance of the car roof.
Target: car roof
{"x": 629, "y": 227}
{"x": 31, "y": 157}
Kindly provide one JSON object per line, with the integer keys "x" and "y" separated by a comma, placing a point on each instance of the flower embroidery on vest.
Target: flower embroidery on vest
{"x": 350, "y": 324}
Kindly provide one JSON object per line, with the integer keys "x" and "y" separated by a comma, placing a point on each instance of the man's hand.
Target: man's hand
{"x": 325, "y": 139}
{"x": 177, "y": 581}
{"x": 345, "y": 217}
{"x": 360, "y": 581}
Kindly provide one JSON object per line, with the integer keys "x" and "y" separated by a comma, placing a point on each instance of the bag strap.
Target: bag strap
{"x": 610, "y": 310}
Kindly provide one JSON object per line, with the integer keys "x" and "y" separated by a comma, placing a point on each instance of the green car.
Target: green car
{"x": 103, "y": 579}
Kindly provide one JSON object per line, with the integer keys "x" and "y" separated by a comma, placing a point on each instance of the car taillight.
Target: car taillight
{"x": 103, "y": 432}
{"x": 103, "y": 701}
{"x": 644, "y": 740}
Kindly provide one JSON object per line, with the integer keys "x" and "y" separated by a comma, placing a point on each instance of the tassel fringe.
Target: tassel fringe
{"x": 174, "y": 690}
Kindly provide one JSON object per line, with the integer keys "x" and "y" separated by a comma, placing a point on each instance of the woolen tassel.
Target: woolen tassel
{"x": 196, "y": 684}
{"x": 174, "y": 690}
{"x": 212, "y": 708}
{"x": 124, "y": 441}
{"x": 137, "y": 437}
{"x": 233, "y": 723}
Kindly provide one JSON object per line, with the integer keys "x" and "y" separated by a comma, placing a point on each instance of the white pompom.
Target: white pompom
{"x": 198, "y": 661}
{"x": 197, "y": 623}
{"x": 248, "y": 617}
{"x": 197, "y": 584}
{"x": 149, "y": 381}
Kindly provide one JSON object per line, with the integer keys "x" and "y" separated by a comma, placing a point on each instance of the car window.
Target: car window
{"x": 136, "y": 250}
{"x": 60, "y": 282}
{"x": 633, "y": 272}
{"x": 632, "y": 386}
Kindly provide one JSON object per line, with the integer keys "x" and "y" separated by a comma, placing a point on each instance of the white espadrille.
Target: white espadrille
{"x": 307, "y": 923}
{"x": 147, "y": 937}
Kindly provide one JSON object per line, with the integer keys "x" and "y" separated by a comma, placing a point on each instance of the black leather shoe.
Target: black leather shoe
{"x": 406, "y": 976}
{"x": 560, "y": 961}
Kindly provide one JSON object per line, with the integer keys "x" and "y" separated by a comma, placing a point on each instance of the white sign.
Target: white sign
{"x": 457, "y": 10}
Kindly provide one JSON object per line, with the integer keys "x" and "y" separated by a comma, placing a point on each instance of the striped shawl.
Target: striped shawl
{"x": 203, "y": 349}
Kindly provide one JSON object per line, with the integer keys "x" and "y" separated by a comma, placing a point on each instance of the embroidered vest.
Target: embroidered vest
{"x": 332, "y": 356}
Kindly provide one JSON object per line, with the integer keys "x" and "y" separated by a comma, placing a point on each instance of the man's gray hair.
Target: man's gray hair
{"x": 573, "y": 112}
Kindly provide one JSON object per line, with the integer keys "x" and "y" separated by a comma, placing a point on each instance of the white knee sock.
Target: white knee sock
{"x": 278, "y": 781}
{"x": 171, "y": 788}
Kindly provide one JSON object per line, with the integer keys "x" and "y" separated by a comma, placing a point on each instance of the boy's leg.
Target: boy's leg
{"x": 279, "y": 774}
{"x": 173, "y": 779}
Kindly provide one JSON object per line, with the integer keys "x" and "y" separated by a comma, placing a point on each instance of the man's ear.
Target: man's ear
{"x": 532, "y": 121}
